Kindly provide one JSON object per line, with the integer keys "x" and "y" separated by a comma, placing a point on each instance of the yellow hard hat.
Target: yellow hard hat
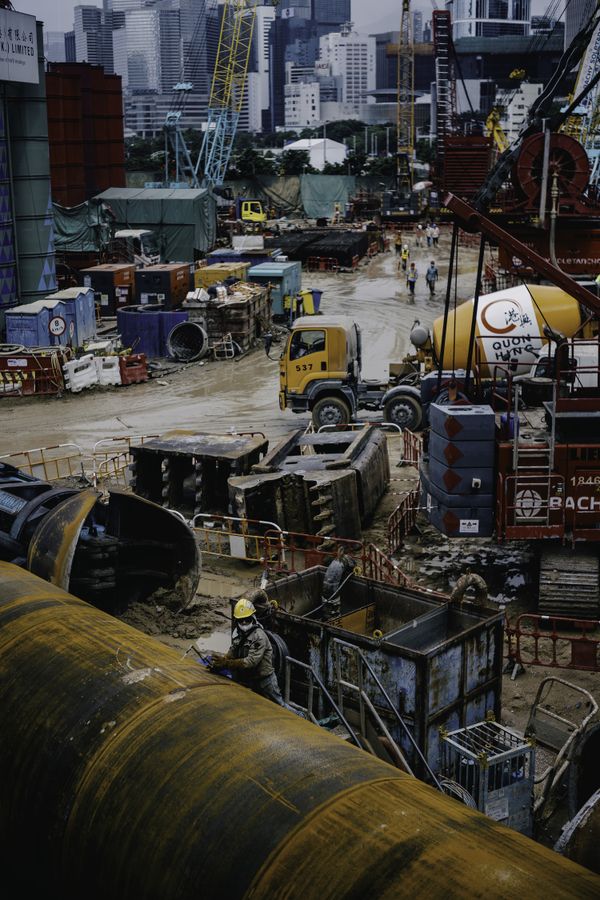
{"x": 243, "y": 609}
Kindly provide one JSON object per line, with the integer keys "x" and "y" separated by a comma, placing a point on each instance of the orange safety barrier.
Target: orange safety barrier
{"x": 134, "y": 368}
{"x": 322, "y": 264}
{"x": 402, "y": 521}
{"x": 286, "y": 552}
{"x": 412, "y": 448}
{"x": 558, "y": 642}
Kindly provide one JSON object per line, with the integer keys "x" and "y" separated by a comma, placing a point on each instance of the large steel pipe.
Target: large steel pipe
{"x": 127, "y": 772}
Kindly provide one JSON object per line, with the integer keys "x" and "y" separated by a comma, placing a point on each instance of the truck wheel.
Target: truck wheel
{"x": 404, "y": 411}
{"x": 330, "y": 411}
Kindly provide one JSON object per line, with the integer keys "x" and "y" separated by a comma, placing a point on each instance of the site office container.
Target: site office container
{"x": 285, "y": 280}
{"x": 114, "y": 282}
{"x": 167, "y": 283}
{"x": 218, "y": 272}
{"x": 441, "y": 664}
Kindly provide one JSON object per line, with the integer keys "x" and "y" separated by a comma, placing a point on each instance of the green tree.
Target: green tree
{"x": 295, "y": 162}
{"x": 425, "y": 151}
{"x": 382, "y": 165}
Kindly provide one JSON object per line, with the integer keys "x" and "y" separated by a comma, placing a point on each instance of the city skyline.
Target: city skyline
{"x": 368, "y": 17}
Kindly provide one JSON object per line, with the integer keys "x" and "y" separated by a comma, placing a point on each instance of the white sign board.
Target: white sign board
{"x": 18, "y": 47}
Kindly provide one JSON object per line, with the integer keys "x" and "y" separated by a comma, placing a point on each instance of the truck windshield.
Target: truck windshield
{"x": 150, "y": 244}
{"x": 305, "y": 342}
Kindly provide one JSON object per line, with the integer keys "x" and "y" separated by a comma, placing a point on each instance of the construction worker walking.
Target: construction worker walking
{"x": 404, "y": 255}
{"x": 411, "y": 278}
{"x": 250, "y": 657}
{"x": 431, "y": 276}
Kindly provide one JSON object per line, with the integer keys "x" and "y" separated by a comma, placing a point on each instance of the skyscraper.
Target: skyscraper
{"x": 332, "y": 12}
{"x": 93, "y": 37}
{"x": 489, "y": 18}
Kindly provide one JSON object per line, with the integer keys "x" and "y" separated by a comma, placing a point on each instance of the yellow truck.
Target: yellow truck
{"x": 320, "y": 367}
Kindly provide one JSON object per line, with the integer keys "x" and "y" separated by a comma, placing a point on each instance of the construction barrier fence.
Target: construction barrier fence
{"x": 558, "y": 642}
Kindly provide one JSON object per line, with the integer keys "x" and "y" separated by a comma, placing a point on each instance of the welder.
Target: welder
{"x": 250, "y": 657}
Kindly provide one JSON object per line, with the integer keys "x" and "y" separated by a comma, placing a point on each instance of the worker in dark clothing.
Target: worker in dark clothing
{"x": 336, "y": 573}
{"x": 250, "y": 657}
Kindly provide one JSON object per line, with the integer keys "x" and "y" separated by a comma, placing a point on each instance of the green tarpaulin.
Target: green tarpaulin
{"x": 185, "y": 221}
{"x": 313, "y": 196}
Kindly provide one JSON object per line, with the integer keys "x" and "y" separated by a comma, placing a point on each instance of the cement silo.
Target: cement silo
{"x": 26, "y": 121}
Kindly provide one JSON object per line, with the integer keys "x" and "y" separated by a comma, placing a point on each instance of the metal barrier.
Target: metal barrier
{"x": 412, "y": 448}
{"x": 287, "y": 552}
{"x": 235, "y": 538}
{"x": 377, "y": 566}
{"x": 48, "y": 463}
{"x": 111, "y": 456}
{"x": 402, "y": 521}
{"x": 558, "y": 642}
{"x": 322, "y": 264}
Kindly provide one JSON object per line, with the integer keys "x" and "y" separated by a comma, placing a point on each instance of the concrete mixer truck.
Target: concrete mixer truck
{"x": 320, "y": 367}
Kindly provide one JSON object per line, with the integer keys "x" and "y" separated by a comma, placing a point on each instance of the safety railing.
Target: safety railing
{"x": 402, "y": 521}
{"x": 111, "y": 457}
{"x": 412, "y": 448}
{"x": 360, "y": 426}
{"x": 379, "y": 567}
{"x": 234, "y": 537}
{"x": 322, "y": 694}
{"x": 287, "y": 552}
{"x": 557, "y": 642}
{"x": 49, "y": 463}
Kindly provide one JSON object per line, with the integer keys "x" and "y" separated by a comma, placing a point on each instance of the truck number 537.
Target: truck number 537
{"x": 304, "y": 367}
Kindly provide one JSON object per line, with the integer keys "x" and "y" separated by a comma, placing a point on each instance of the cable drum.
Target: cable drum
{"x": 187, "y": 342}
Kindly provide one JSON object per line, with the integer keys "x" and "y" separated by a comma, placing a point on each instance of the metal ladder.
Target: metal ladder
{"x": 313, "y": 682}
{"x": 537, "y": 480}
{"x": 364, "y": 669}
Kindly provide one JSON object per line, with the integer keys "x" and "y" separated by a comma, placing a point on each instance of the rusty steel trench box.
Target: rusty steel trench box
{"x": 325, "y": 484}
{"x": 440, "y": 663}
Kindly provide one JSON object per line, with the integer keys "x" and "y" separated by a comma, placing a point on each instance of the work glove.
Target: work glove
{"x": 219, "y": 661}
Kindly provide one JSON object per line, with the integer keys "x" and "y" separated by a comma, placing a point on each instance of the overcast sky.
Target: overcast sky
{"x": 373, "y": 16}
{"x": 369, "y": 15}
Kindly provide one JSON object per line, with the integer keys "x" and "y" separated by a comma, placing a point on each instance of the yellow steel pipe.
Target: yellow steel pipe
{"x": 127, "y": 772}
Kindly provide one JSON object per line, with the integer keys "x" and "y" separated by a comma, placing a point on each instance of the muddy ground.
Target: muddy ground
{"x": 242, "y": 395}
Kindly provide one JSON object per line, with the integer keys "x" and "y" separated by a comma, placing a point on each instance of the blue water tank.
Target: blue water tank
{"x": 145, "y": 328}
{"x": 140, "y": 328}
{"x": 168, "y": 320}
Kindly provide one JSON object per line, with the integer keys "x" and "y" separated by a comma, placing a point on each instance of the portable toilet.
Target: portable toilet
{"x": 285, "y": 280}
{"x": 80, "y": 312}
{"x": 43, "y": 323}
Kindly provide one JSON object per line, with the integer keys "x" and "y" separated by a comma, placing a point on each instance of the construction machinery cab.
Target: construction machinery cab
{"x": 141, "y": 245}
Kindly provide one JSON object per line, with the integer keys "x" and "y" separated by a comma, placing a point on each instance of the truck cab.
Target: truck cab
{"x": 250, "y": 211}
{"x": 141, "y": 246}
{"x": 320, "y": 368}
{"x": 320, "y": 372}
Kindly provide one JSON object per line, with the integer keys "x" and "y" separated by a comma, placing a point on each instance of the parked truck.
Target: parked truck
{"x": 320, "y": 367}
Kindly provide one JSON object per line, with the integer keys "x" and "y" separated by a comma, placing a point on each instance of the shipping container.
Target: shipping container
{"x": 114, "y": 283}
{"x": 284, "y": 279}
{"x": 218, "y": 272}
{"x": 167, "y": 283}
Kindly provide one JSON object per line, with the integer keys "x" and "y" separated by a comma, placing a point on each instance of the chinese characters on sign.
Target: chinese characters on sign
{"x": 18, "y": 47}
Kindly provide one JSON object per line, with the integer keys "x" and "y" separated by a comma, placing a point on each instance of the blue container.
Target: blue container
{"x": 508, "y": 423}
{"x": 146, "y": 328}
{"x": 140, "y": 328}
{"x": 254, "y": 257}
{"x": 285, "y": 280}
{"x": 29, "y": 324}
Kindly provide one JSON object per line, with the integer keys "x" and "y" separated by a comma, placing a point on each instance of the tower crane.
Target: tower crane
{"x": 406, "y": 103}
{"x": 226, "y": 98}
